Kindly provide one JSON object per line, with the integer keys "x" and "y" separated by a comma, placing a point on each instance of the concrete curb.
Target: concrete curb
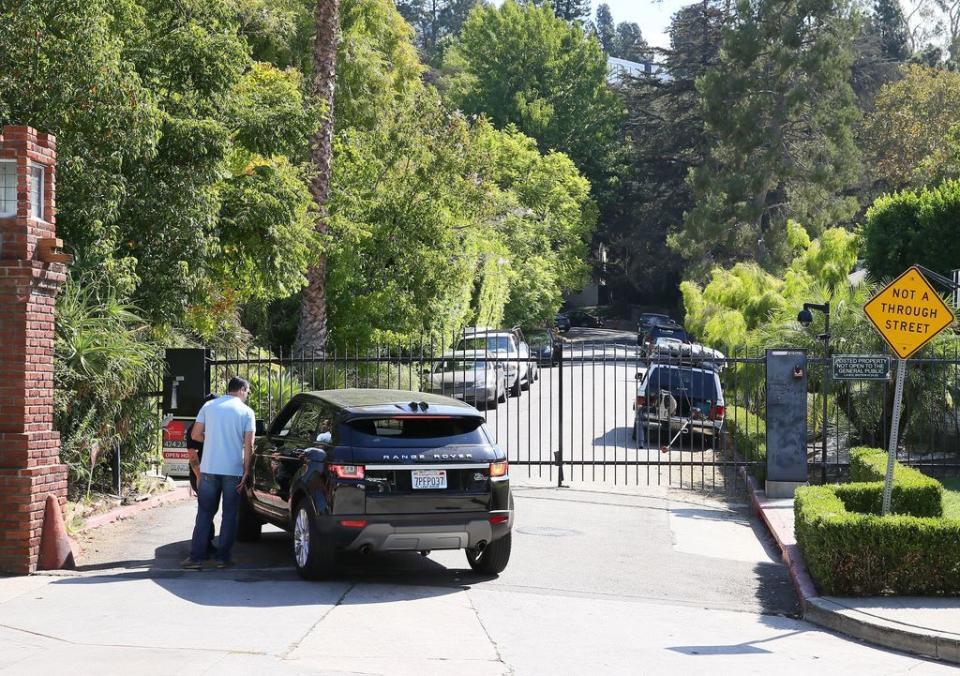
{"x": 843, "y": 619}
{"x": 126, "y": 511}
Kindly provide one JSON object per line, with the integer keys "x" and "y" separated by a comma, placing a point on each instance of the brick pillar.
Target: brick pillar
{"x": 30, "y": 466}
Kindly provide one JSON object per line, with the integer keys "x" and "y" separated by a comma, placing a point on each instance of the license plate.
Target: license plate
{"x": 429, "y": 478}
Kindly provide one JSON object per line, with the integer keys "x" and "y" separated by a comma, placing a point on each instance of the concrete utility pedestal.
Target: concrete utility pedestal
{"x": 786, "y": 422}
{"x": 32, "y": 271}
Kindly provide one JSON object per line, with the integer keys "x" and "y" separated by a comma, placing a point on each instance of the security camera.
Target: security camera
{"x": 805, "y": 317}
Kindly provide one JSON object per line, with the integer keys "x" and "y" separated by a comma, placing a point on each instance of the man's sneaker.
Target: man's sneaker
{"x": 190, "y": 564}
{"x": 224, "y": 564}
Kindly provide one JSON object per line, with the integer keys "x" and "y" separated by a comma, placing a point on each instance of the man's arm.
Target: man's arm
{"x": 247, "y": 459}
{"x": 197, "y": 432}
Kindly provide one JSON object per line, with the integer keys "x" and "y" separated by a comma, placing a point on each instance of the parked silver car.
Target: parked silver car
{"x": 473, "y": 377}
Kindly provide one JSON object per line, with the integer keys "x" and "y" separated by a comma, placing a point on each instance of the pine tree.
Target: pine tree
{"x": 572, "y": 10}
{"x": 782, "y": 111}
{"x": 606, "y": 31}
{"x": 891, "y": 28}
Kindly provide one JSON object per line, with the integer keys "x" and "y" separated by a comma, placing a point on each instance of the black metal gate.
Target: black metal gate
{"x": 602, "y": 411}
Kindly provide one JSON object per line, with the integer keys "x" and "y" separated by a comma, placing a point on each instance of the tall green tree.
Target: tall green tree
{"x": 890, "y": 26}
{"x": 630, "y": 43}
{"x": 435, "y": 20}
{"x": 664, "y": 136}
{"x": 907, "y": 138}
{"x": 606, "y": 29}
{"x": 782, "y": 111}
{"x": 523, "y": 65}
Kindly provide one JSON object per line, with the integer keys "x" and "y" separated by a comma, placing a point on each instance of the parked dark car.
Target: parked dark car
{"x": 650, "y": 319}
{"x": 584, "y": 318}
{"x": 544, "y": 347}
{"x": 562, "y": 322}
{"x": 647, "y": 339}
{"x": 380, "y": 470}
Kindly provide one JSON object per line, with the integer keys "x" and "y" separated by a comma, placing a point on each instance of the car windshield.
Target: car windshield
{"x": 663, "y": 341}
{"x": 487, "y": 343}
{"x": 452, "y": 365}
{"x": 669, "y": 331}
{"x": 538, "y": 338}
{"x": 693, "y": 383}
{"x": 651, "y": 318}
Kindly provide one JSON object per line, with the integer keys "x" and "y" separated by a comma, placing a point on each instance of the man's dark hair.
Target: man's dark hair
{"x": 236, "y": 384}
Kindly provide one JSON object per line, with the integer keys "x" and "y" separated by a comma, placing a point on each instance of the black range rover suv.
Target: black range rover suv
{"x": 380, "y": 470}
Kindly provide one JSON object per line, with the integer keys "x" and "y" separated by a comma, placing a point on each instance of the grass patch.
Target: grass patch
{"x": 951, "y": 497}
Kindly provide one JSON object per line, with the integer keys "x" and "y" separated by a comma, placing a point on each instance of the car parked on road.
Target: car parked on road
{"x": 585, "y": 318}
{"x": 647, "y": 339}
{"x": 544, "y": 347}
{"x": 649, "y": 319}
{"x": 678, "y": 400}
{"x": 470, "y": 376}
{"x": 506, "y": 346}
{"x": 380, "y": 470}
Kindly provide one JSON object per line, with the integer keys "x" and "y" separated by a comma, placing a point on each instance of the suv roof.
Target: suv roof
{"x": 359, "y": 400}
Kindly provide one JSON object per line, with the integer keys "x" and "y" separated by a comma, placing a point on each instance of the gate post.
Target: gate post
{"x": 31, "y": 273}
{"x": 786, "y": 422}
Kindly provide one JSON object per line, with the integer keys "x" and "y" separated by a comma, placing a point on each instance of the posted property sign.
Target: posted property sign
{"x": 861, "y": 367}
{"x": 908, "y": 313}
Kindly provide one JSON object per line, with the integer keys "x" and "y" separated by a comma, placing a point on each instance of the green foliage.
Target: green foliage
{"x": 177, "y": 154}
{"x": 913, "y": 493}
{"x": 854, "y": 554}
{"x": 913, "y": 227}
{"x": 105, "y": 359}
{"x": 523, "y": 65}
{"x": 438, "y": 223}
{"x": 436, "y": 21}
{"x": 780, "y": 106}
{"x": 377, "y": 64}
{"x": 908, "y": 138}
{"x": 742, "y": 305}
{"x": 749, "y": 432}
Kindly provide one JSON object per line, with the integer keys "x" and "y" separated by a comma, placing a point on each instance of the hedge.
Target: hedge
{"x": 855, "y": 554}
{"x": 914, "y": 493}
{"x": 749, "y": 437}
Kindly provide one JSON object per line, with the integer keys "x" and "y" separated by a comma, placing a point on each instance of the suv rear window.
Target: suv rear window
{"x": 444, "y": 430}
{"x": 695, "y": 384}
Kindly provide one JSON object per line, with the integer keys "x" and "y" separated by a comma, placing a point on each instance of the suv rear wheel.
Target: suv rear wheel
{"x": 314, "y": 555}
{"x": 493, "y": 558}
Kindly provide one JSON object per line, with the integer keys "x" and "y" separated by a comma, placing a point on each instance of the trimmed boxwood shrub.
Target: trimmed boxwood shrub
{"x": 855, "y": 554}
{"x": 914, "y": 493}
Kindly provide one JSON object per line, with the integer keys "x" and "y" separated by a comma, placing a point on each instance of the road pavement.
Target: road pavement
{"x": 603, "y": 579}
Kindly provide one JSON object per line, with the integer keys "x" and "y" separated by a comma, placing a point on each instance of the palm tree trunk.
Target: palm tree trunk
{"x": 312, "y": 332}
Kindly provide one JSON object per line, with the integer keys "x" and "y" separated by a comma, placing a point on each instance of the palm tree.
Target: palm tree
{"x": 312, "y": 332}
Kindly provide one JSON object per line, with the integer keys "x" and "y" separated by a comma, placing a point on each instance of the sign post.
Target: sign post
{"x": 908, "y": 313}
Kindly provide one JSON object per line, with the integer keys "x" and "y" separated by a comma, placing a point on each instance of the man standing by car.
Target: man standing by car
{"x": 226, "y": 427}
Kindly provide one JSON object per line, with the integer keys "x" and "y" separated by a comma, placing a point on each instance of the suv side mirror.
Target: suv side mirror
{"x": 261, "y": 428}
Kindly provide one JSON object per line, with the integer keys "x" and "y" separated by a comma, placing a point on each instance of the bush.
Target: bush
{"x": 749, "y": 432}
{"x": 914, "y": 493}
{"x": 856, "y": 554}
{"x": 105, "y": 364}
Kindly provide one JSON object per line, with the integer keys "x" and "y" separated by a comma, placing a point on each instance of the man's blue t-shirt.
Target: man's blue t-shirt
{"x": 225, "y": 421}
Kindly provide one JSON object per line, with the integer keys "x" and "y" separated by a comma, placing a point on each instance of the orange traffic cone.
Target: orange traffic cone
{"x": 55, "y": 550}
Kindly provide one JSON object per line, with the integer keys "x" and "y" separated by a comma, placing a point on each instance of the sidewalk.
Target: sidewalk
{"x": 928, "y": 626}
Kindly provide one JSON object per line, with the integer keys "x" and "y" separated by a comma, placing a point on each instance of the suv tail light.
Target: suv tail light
{"x": 717, "y": 412}
{"x": 499, "y": 469}
{"x": 347, "y": 471}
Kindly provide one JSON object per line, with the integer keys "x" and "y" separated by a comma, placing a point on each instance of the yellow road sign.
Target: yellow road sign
{"x": 908, "y": 313}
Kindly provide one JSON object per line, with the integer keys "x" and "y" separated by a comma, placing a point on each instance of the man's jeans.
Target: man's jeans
{"x": 211, "y": 487}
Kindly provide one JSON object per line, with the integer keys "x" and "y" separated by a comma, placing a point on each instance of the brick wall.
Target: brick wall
{"x": 30, "y": 466}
